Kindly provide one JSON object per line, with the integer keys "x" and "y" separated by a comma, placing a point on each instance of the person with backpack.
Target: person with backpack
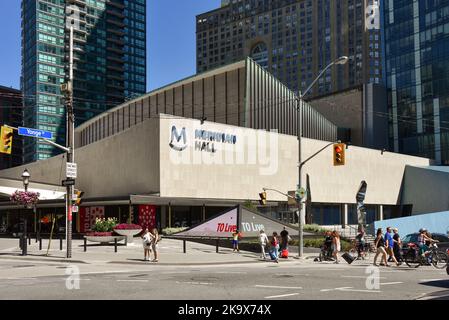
{"x": 147, "y": 241}
{"x": 285, "y": 238}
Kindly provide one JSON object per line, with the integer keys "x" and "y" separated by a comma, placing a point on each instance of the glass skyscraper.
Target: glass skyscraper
{"x": 109, "y": 62}
{"x": 417, "y": 65}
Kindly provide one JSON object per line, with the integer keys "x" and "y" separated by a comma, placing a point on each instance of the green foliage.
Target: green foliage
{"x": 250, "y": 205}
{"x": 104, "y": 225}
{"x": 314, "y": 228}
{"x": 318, "y": 242}
{"x": 170, "y": 231}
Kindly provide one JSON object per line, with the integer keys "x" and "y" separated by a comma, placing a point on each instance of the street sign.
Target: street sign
{"x": 71, "y": 170}
{"x": 35, "y": 133}
{"x": 292, "y": 198}
{"x": 301, "y": 193}
{"x": 75, "y": 209}
{"x": 68, "y": 182}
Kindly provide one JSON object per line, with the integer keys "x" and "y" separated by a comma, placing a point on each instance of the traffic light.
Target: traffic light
{"x": 79, "y": 196}
{"x": 339, "y": 154}
{"x": 263, "y": 198}
{"x": 6, "y": 140}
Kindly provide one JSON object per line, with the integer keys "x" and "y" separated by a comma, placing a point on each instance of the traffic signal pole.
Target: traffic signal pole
{"x": 70, "y": 118}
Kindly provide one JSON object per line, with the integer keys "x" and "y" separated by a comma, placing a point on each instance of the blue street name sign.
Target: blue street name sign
{"x": 35, "y": 133}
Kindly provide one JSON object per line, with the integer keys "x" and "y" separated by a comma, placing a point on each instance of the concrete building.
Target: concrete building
{"x": 241, "y": 94}
{"x": 11, "y": 113}
{"x": 296, "y": 39}
{"x": 187, "y": 170}
{"x": 109, "y": 61}
{"x": 361, "y": 110}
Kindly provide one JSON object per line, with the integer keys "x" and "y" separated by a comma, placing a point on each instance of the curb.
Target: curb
{"x": 49, "y": 259}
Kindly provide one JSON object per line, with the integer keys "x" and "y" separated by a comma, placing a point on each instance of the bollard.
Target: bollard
{"x": 184, "y": 246}
{"x": 40, "y": 243}
{"x": 60, "y": 243}
{"x": 85, "y": 244}
{"x": 216, "y": 242}
{"x": 20, "y": 243}
{"x": 115, "y": 244}
{"x": 29, "y": 240}
{"x": 24, "y": 245}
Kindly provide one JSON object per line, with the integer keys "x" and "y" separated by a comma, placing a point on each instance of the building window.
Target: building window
{"x": 260, "y": 54}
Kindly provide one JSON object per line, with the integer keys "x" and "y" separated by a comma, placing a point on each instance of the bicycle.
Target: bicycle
{"x": 361, "y": 253}
{"x": 414, "y": 259}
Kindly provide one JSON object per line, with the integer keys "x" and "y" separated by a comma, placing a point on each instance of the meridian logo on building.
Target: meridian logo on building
{"x": 205, "y": 140}
{"x": 176, "y": 139}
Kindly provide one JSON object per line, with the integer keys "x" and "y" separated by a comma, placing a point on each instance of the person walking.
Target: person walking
{"x": 380, "y": 245}
{"x": 263, "y": 240}
{"x": 397, "y": 245}
{"x": 389, "y": 245}
{"x": 147, "y": 241}
{"x": 236, "y": 235}
{"x": 274, "y": 247}
{"x": 154, "y": 244}
{"x": 336, "y": 245}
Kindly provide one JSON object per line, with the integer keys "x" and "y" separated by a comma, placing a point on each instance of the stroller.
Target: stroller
{"x": 325, "y": 252}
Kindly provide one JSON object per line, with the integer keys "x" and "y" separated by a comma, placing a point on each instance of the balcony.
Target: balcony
{"x": 116, "y": 3}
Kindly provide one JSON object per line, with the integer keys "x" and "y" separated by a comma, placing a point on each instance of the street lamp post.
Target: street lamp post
{"x": 26, "y": 181}
{"x": 340, "y": 61}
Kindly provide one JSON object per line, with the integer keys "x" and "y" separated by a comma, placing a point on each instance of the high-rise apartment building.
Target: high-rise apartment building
{"x": 417, "y": 65}
{"x": 11, "y": 114}
{"x": 109, "y": 62}
{"x": 296, "y": 39}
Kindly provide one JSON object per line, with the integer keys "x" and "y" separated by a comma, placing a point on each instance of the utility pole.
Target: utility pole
{"x": 67, "y": 88}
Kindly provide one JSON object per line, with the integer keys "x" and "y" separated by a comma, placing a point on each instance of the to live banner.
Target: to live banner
{"x": 88, "y": 215}
{"x": 147, "y": 217}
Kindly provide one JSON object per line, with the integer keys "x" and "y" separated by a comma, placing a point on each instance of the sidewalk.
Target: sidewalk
{"x": 170, "y": 253}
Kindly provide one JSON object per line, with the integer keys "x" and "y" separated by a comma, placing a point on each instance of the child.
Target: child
{"x": 235, "y": 240}
{"x": 147, "y": 241}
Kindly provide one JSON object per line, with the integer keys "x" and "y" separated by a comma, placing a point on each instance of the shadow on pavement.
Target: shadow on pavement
{"x": 437, "y": 283}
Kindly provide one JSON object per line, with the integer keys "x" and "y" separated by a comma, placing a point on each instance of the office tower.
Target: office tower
{"x": 295, "y": 40}
{"x": 109, "y": 62}
{"x": 417, "y": 47}
{"x": 11, "y": 114}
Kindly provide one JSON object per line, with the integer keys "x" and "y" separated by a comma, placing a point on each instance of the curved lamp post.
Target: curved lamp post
{"x": 339, "y": 61}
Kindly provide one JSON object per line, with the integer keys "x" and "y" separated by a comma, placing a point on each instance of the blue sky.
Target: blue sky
{"x": 171, "y": 40}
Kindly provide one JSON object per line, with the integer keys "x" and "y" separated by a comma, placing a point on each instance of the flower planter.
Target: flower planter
{"x": 129, "y": 234}
{"x": 104, "y": 239}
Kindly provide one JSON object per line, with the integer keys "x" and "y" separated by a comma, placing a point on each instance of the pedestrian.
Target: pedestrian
{"x": 380, "y": 245}
{"x": 336, "y": 245}
{"x": 389, "y": 245}
{"x": 285, "y": 238}
{"x": 147, "y": 241}
{"x": 274, "y": 247}
{"x": 397, "y": 245}
{"x": 235, "y": 240}
{"x": 263, "y": 240}
{"x": 154, "y": 244}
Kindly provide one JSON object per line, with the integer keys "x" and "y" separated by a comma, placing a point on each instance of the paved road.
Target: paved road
{"x": 291, "y": 280}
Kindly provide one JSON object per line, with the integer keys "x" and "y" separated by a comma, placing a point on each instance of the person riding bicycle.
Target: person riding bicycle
{"x": 423, "y": 239}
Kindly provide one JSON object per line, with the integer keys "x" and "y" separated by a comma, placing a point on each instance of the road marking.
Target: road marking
{"x": 132, "y": 280}
{"x": 350, "y": 289}
{"x": 428, "y": 280}
{"x": 277, "y": 287}
{"x": 362, "y": 277}
{"x": 390, "y": 283}
{"x": 282, "y": 295}
{"x": 193, "y": 282}
{"x": 231, "y": 272}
